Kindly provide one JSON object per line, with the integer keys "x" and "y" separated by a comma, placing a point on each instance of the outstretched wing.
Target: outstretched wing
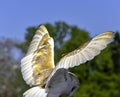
{"x": 87, "y": 51}
{"x": 39, "y": 60}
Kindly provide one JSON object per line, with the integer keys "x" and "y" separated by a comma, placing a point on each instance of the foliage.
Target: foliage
{"x": 9, "y": 86}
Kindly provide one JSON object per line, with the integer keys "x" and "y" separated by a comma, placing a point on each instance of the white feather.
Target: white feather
{"x": 27, "y": 62}
{"x": 35, "y": 92}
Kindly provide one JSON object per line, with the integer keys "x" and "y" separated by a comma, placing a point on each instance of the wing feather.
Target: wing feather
{"x": 35, "y": 92}
{"x": 39, "y": 58}
{"x": 87, "y": 51}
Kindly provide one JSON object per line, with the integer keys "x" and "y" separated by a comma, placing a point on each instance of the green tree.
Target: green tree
{"x": 115, "y": 49}
{"x": 9, "y": 65}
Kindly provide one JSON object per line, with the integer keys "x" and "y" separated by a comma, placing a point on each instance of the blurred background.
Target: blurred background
{"x": 70, "y": 23}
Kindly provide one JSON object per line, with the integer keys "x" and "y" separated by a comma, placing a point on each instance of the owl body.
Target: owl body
{"x": 48, "y": 80}
{"x": 62, "y": 82}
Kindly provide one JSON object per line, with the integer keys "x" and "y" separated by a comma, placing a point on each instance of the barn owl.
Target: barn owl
{"x": 46, "y": 79}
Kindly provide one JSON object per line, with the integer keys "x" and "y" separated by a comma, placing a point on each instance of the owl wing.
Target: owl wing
{"x": 84, "y": 53}
{"x": 87, "y": 51}
{"x": 39, "y": 60}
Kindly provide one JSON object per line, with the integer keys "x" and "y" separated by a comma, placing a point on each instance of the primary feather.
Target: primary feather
{"x": 87, "y": 51}
{"x": 38, "y": 63}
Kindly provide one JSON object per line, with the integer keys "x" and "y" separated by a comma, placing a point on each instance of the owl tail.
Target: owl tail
{"x": 35, "y": 92}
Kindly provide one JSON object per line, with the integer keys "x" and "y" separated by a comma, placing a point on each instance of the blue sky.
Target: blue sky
{"x": 96, "y": 16}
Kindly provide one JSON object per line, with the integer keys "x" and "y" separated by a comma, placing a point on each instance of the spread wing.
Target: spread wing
{"x": 87, "y": 51}
{"x": 39, "y": 60}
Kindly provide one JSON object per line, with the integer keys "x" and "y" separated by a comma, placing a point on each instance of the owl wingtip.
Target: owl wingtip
{"x": 42, "y": 28}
